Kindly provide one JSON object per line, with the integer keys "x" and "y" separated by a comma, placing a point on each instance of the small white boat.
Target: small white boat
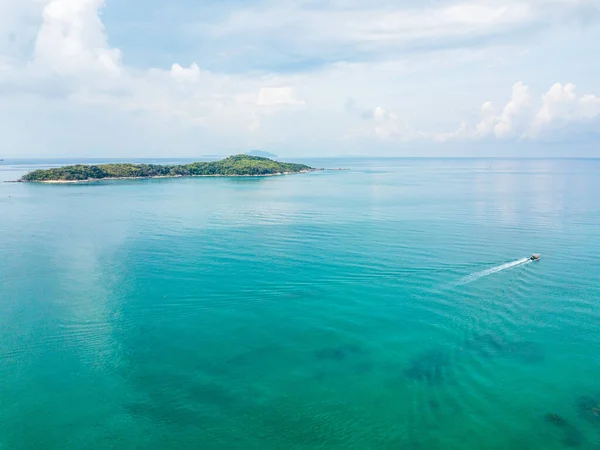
{"x": 535, "y": 257}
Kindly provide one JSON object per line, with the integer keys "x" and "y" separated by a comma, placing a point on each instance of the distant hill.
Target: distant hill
{"x": 261, "y": 153}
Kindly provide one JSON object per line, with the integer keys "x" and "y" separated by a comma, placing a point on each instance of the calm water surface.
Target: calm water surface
{"x": 368, "y": 309}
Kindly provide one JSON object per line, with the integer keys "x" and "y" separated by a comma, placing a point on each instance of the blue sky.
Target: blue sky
{"x": 299, "y": 77}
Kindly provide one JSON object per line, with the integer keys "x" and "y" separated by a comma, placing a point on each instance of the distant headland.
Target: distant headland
{"x": 233, "y": 166}
{"x": 261, "y": 153}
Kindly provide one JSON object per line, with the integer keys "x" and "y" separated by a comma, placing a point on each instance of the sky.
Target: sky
{"x": 184, "y": 78}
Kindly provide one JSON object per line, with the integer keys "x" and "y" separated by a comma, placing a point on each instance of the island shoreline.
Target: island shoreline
{"x": 96, "y": 180}
{"x": 233, "y": 166}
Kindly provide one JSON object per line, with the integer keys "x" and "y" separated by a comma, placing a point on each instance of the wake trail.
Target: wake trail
{"x": 484, "y": 273}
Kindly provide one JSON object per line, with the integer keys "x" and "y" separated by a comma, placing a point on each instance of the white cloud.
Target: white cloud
{"x": 382, "y": 125}
{"x": 386, "y": 124}
{"x": 560, "y": 108}
{"x": 462, "y": 132}
{"x": 182, "y": 74}
{"x": 369, "y": 27}
{"x": 72, "y": 39}
{"x": 512, "y": 121}
{"x": 381, "y": 115}
{"x": 559, "y": 103}
{"x": 384, "y": 22}
{"x": 273, "y": 96}
{"x": 488, "y": 120}
{"x": 590, "y": 106}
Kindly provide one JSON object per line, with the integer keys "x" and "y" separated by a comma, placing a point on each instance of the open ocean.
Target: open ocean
{"x": 384, "y": 307}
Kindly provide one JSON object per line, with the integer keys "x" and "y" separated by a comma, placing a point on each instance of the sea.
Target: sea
{"x": 388, "y": 306}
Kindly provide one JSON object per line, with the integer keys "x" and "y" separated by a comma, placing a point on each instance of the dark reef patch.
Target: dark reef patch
{"x": 489, "y": 345}
{"x": 339, "y": 353}
{"x": 525, "y": 352}
{"x": 432, "y": 367}
{"x": 555, "y": 419}
{"x": 571, "y": 436}
{"x": 589, "y": 409}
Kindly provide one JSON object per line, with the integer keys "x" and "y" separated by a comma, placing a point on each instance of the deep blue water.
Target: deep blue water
{"x": 370, "y": 308}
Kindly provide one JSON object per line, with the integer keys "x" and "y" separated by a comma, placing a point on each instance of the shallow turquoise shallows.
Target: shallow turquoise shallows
{"x": 385, "y": 307}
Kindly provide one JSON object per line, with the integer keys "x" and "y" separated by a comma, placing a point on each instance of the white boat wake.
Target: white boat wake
{"x": 484, "y": 273}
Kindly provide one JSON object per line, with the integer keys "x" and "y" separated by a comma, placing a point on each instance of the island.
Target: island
{"x": 233, "y": 166}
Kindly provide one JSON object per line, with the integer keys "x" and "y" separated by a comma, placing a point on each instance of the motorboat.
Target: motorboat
{"x": 535, "y": 257}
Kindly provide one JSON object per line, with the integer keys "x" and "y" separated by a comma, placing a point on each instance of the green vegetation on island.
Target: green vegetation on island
{"x": 240, "y": 165}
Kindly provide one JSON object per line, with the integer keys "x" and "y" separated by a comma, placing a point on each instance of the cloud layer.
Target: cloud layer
{"x": 341, "y": 73}
{"x": 559, "y": 111}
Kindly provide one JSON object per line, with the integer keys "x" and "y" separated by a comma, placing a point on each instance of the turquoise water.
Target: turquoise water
{"x": 364, "y": 309}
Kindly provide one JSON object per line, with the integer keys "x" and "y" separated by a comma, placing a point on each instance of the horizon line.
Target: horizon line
{"x": 90, "y": 158}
